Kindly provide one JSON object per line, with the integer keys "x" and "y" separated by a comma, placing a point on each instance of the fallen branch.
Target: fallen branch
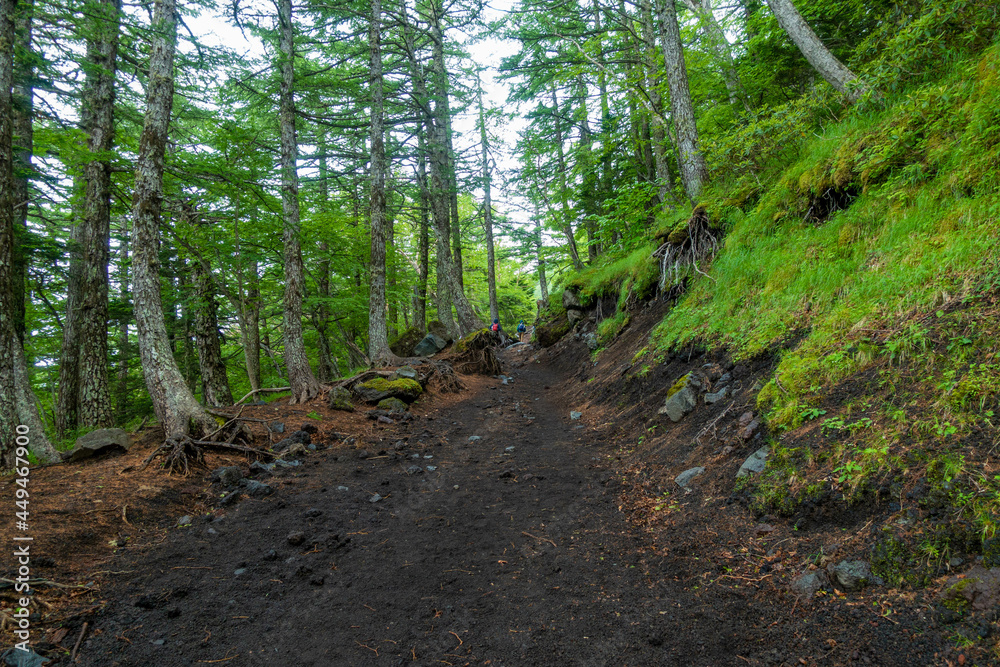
{"x": 263, "y": 391}
{"x": 76, "y": 647}
{"x": 543, "y": 539}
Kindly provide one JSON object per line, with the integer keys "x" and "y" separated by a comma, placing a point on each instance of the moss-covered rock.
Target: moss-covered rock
{"x": 340, "y": 399}
{"x": 375, "y": 390}
{"x": 552, "y": 324}
{"x": 404, "y": 344}
{"x": 392, "y": 405}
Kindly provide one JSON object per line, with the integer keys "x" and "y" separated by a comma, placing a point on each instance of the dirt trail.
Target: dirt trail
{"x": 488, "y": 556}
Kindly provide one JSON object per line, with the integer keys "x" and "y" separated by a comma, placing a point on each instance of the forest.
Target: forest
{"x": 149, "y": 176}
{"x": 752, "y": 418}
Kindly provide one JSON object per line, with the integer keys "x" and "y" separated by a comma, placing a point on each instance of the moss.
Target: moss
{"x": 680, "y": 384}
{"x": 392, "y": 405}
{"x": 474, "y": 340}
{"x": 403, "y": 388}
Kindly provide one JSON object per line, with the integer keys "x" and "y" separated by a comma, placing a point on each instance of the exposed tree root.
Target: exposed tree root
{"x": 686, "y": 249}
{"x": 180, "y": 454}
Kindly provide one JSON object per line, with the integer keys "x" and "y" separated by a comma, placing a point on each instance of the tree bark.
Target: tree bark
{"x": 692, "y": 162}
{"x": 328, "y": 366}
{"x": 249, "y": 309}
{"x": 215, "y": 382}
{"x": 448, "y": 279}
{"x": 97, "y": 119}
{"x": 27, "y": 410}
{"x": 121, "y": 404}
{"x": 378, "y": 342}
{"x": 300, "y": 376}
{"x": 175, "y": 405}
{"x": 420, "y": 303}
{"x": 491, "y": 274}
{"x": 657, "y": 127}
{"x": 824, "y": 62}
{"x": 8, "y": 334}
{"x": 69, "y": 357}
{"x": 543, "y": 286}
{"x": 23, "y": 146}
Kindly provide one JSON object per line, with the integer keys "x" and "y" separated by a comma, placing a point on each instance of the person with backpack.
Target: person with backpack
{"x": 496, "y": 326}
{"x": 521, "y": 329}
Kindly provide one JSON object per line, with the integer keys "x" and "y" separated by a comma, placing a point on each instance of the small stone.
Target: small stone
{"x": 509, "y": 449}
{"x": 384, "y": 420}
{"x": 717, "y": 396}
{"x": 296, "y": 538}
{"x": 764, "y": 529}
{"x": 806, "y": 586}
{"x": 746, "y": 418}
{"x": 183, "y": 521}
{"x": 431, "y": 468}
{"x": 256, "y": 489}
{"x": 270, "y": 555}
{"x": 475, "y": 438}
{"x": 455, "y": 487}
{"x": 240, "y": 571}
{"x": 375, "y": 498}
{"x": 212, "y": 531}
{"x": 414, "y": 470}
{"x": 684, "y": 479}
{"x": 313, "y": 512}
{"x": 755, "y": 463}
{"x": 276, "y": 427}
{"x": 309, "y": 428}
{"x": 311, "y": 448}
{"x": 575, "y": 415}
{"x": 158, "y": 642}
{"x": 852, "y": 575}
{"x": 343, "y": 488}
{"x": 363, "y": 453}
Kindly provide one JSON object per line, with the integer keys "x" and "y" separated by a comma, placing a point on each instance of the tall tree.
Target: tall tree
{"x": 300, "y": 376}
{"x": 491, "y": 272}
{"x": 8, "y": 310}
{"x": 378, "y": 342}
{"x": 692, "y": 162}
{"x": 824, "y": 62}
{"x": 173, "y": 402}
{"x": 563, "y": 190}
{"x": 214, "y": 381}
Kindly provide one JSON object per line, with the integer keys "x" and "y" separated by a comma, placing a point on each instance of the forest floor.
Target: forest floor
{"x": 491, "y": 529}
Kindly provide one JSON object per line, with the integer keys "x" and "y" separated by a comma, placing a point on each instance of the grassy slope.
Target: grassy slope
{"x": 889, "y": 309}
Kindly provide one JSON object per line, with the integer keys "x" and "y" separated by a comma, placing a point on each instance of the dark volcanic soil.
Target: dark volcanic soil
{"x": 510, "y": 549}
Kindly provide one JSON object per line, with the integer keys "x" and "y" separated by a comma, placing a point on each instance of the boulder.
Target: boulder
{"x": 755, "y": 463}
{"x": 717, "y": 396}
{"x": 438, "y": 329}
{"x": 682, "y": 397}
{"x": 573, "y": 316}
{"x": 407, "y": 372}
{"x": 228, "y": 476}
{"x": 340, "y": 399}
{"x": 978, "y": 588}
{"x": 430, "y": 344}
{"x": 392, "y": 405}
{"x": 101, "y": 441}
{"x": 684, "y": 479}
{"x": 403, "y": 345}
{"x": 375, "y": 390}
{"x": 592, "y": 341}
{"x": 571, "y": 300}
{"x": 851, "y": 575}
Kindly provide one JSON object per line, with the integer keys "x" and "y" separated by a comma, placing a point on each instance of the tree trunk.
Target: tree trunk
{"x": 69, "y": 357}
{"x": 824, "y": 62}
{"x": 300, "y": 376}
{"x": 328, "y": 366}
{"x": 175, "y": 406}
{"x": 23, "y": 146}
{"x": 491, "y": 274}
{"x": 121, "y": 404}
{"x": 448, "y": 279}
{"x": 27, "y": 410}
{"x": 543, "y": 286}
{"x": 248, "y": 308}
{"x": 420, "y": 303}
{"x": 563, "y": 191}
{"x": 97, "y": 119}
{"x": 692, "y": 162}
{"x": 456, "y": 222}
{"x": 657, "y": 127}
{"x": 214, "y": 380}
{"x": 378, "y": 342}
{"x": 8, "y": 309}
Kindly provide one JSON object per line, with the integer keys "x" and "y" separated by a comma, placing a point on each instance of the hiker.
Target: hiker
{"x": 496, "y": 326}
{"x": 521, "y": 329}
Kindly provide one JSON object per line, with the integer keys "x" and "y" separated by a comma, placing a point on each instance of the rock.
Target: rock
{"x": 375, "y": 498}
{"x": 310, "y": 429}
{"x": 256, "y": 489}
{"x": 851, "y": 575}
{"x": 312, "y": 512}
{"x": 683, "y": 395}
{"x": 298, "y": 449}
{"x": 414, "y": 470}
{"x": 573, "y": 315}
{"x": 755, "y": 463}
{"x": 749, "y": 430}
{"x": 382, "y": 419}
{"x": 592, "y": 341}
{"x": 258, "y": 468}
{"x": 806, "y": 586}
{"x": 575, "y": 415}
{"x": 228, "y": 476}
{"x": 474, "y": 438}
{"x": 430, "y": 344}
{"x": 571, "y": 300}
{"x": 276, "y": 427}
{"x": 340, "y": 399}
{"x": 375, "y": 390}
{"x": 746, "y": 418}
{"x": 724, "y": 380}
{"x": 184, "y": 521}
{"x": 717, "y": 396}
{"x": 407, "y": 372}
{"x": 764, "y": 529}
{"x": 101, "y": 441}
{"x": 17, "y": 658}
{"x": 282, "y": 445}
{"x": 229, "y": 498}
{"x": 980, "y": 589}
{"x": 684, "y": 479}
{"x": 392, "y": 405}
{"x": 239, "y": 571}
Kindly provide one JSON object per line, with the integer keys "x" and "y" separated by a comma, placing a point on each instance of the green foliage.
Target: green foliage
{"x": 609, "y": 328}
